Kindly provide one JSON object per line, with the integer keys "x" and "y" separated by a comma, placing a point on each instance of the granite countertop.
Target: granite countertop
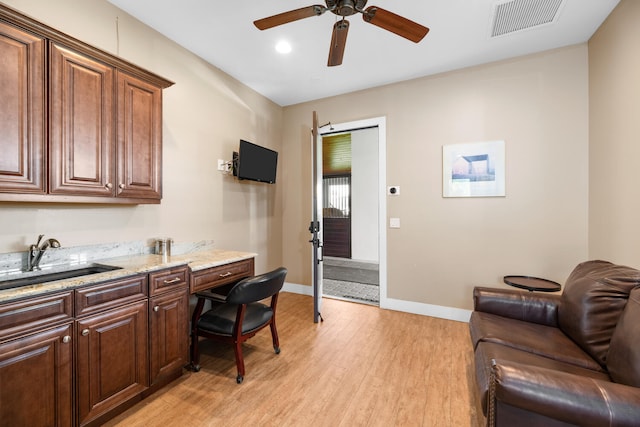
{"x": 129, "y": 265}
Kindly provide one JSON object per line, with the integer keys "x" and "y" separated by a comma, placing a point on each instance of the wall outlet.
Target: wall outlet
{"x": 394, "y": 222}
{"x": 221, "y": 165}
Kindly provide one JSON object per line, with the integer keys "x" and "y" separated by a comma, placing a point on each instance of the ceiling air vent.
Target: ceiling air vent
{"x": 517, "y": 15}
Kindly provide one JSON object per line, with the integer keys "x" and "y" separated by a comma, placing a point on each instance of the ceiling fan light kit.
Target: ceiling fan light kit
{"x": 373, "y": 15}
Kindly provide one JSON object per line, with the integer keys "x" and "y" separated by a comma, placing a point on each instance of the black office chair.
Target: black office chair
{"x": 238, "y": 316}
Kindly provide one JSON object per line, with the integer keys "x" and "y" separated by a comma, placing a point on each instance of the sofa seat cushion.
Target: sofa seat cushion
{"x": 594, "y": 296}
{"x": 488, "y": 351}
{"x": 546, "y": 341}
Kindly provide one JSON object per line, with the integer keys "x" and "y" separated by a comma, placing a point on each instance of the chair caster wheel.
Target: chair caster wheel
{"x": 277, "y": 350}
{"x": 239, "y": 379}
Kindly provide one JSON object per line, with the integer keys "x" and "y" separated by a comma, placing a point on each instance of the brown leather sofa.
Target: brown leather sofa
{"x": 560, "y": 360}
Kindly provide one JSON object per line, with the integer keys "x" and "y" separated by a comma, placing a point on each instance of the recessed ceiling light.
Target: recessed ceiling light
{"x": 283, "y": 46}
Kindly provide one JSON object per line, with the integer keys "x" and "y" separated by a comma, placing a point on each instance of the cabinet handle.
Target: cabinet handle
{"x": 168, "y": 282}
{"x": 109, "y": 185}
{"x": 227, "y": 274}
{"x": 156, "y": 308}
{"x": 66, "y": 339}
{"x": 85, "y": 332}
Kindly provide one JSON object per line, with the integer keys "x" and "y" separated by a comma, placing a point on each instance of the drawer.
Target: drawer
{"x": 110, "y": 294}
{"x": 168, "y": 280}
{"x": 221, "y": 275}
{"x": 19, "y": 317}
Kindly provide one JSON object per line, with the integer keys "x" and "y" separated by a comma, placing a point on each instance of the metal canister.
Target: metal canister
{"x": 163, "y": 246}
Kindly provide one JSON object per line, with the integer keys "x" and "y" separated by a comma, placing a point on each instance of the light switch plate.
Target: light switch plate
{"x": 394, "y": 222}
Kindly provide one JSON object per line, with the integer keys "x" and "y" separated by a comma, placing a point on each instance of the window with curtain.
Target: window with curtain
{"x": 336, "y": 196}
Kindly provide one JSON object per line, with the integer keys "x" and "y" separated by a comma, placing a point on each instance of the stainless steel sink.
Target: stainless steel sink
{"x": 58, "y": 275}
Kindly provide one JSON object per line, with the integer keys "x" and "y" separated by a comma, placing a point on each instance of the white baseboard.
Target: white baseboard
{"x": 297, "y": 289}
{"x": 442, "y": 312}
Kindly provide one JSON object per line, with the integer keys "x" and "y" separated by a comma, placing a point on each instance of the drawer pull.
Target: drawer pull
{"x": 85, "y": 332}
{"x": 156, "y": 308}
{"x": 168, "y": 282}
{"x": 66, "y": 339}
{"x": 227, "y": 274}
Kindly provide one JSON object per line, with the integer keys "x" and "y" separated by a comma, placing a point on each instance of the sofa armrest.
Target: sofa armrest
{"x": 562, "y": 396}
{"x": 516, "y": 304}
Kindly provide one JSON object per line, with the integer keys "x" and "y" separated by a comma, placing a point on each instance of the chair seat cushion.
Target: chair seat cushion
{"x": 546, "y": 341}
{"x": 221, "y": 318}
{"x": 487, "y": 351}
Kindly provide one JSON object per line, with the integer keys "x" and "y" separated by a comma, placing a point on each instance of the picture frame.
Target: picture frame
{"x": 475, "y": 169}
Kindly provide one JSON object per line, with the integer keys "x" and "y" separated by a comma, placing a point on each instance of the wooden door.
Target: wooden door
{"x": 82, "y": 148}
{"x": 316, "y": 225}
{"x": 22, "y": 111}
{"x": 112, "y": 359}
{"x": 139, "y": 138}
{"x": 36, "y": 379}
{"x": 169, "y": 335}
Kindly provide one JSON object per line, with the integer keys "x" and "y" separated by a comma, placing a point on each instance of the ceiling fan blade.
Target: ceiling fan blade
{"x": 292, "y": 15}
{"x": 395, "y": 23}
{"x": 338, "y": 42}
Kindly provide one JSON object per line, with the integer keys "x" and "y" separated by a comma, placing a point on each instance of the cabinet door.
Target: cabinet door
{"x": 36, "y": 382}
{"x": 112, "y": 359}
{"x": 169, "y": 334}
{"x": 82, "y": 146}
{"x": 139, "y": 138}
{"x": 22, "y": 111}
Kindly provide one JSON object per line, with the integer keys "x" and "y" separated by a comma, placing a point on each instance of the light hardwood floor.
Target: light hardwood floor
{"x": 363, "y": 366}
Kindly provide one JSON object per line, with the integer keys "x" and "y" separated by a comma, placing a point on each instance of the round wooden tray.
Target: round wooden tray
{"x": 532, "y": 283}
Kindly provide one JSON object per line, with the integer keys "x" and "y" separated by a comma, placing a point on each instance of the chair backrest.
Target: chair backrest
{"x": 623, "y": 359}
{"x": 256, "y": 288}
{"x": 592, "y": 302}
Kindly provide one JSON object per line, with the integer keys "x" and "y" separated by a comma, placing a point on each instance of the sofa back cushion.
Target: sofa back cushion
{"x": 594, "y": 297}
{"x": 623, "y": 360}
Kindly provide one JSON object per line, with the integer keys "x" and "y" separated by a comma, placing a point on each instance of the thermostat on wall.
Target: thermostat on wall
{"x": 394, "y": 190}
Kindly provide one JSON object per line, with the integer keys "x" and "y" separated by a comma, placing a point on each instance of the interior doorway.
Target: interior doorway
{"x": 354, "y": 211}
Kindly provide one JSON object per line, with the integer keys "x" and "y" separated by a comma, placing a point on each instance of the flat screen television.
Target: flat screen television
{"x": 256, "y": 163}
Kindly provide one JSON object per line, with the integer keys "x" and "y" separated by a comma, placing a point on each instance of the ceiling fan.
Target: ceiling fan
{"x": 374, "y": 15}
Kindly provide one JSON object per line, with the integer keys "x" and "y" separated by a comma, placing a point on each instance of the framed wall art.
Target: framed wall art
{"x": 473, "y": 169}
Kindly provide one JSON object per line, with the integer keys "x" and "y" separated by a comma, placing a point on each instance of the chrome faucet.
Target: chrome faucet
{"x": 36, "y": 251}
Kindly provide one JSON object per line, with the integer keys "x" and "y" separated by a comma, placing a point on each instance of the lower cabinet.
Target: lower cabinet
{"x": 168, "y": 327}
{"x": 36, "y": 379}
{"x": 129, "y": 337}
{"x": 112, "y": 359}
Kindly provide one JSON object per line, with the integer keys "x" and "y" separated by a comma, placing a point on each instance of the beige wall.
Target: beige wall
{"x": 537, "y": 104}
{"x": 614, "y": 134}
{"x": 205, "y": 114}
{"x": 550, "y": 219}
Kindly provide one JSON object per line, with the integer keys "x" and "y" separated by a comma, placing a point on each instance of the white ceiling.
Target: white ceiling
{"x": 223, "y": 34}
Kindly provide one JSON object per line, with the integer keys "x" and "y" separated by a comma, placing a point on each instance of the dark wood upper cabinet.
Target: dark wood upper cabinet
{"x": 22, "y": 111}
{"x": 94, "y": 137}
{"x": 139, "y": 138}
{"x": 81, "y": 134}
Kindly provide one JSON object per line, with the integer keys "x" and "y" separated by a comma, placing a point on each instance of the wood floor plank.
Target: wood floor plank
{"x": 362, "y": 366}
